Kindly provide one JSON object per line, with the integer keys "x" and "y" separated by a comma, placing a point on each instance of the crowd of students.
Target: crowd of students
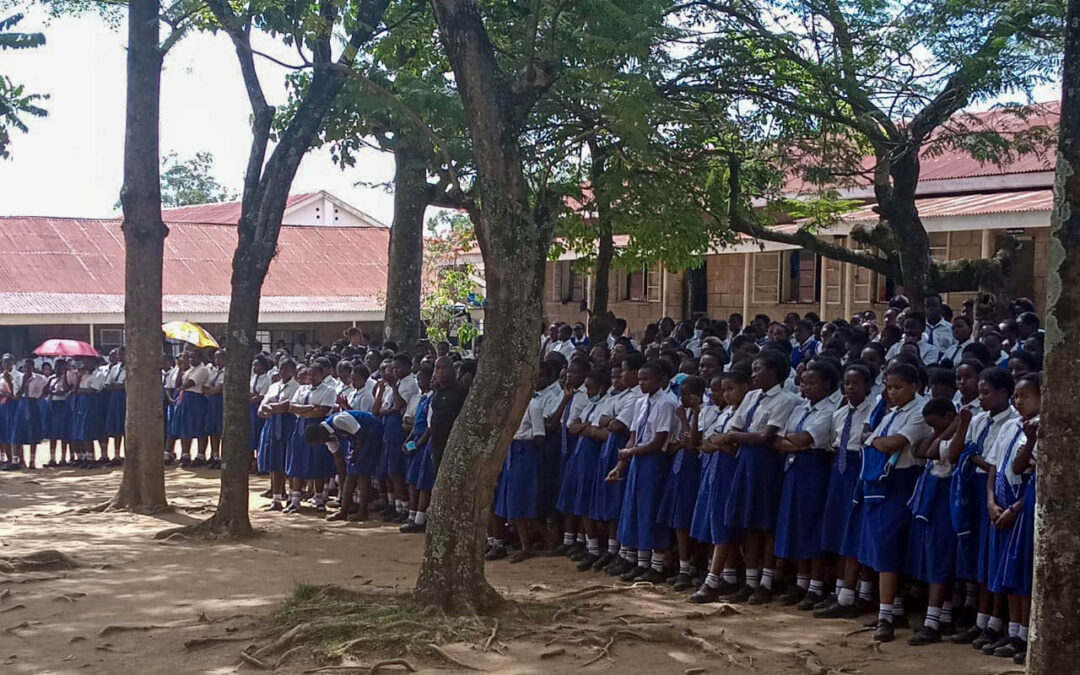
{"x": 802, "y": 462}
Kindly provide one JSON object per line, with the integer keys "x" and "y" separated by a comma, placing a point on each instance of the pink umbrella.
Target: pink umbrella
{"x": 60, "y": 347}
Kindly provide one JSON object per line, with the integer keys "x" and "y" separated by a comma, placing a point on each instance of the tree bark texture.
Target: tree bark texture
{"x": 406, "y": 254}
{"x": 142, "y": 488}
{"x": 1055, "y": 636}
{"x": 514, "y": 239}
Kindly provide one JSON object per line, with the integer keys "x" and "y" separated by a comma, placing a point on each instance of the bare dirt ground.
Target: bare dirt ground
{"x": 134, "y": 602}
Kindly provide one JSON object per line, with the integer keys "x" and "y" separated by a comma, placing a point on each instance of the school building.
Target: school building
{"x": 64, "y": 277}
{"x": 965, "y": 206}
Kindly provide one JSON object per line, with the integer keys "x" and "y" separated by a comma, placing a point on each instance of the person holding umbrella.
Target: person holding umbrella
{"x": 116, "y": 407}
{"x": 26, "y": 422}
{"x": 191, "y": 409}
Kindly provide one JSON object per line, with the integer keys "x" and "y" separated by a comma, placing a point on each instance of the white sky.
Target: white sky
{"x": 71, "y": 162}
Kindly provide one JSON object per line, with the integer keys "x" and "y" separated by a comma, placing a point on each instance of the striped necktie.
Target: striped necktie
{"x": 753, "y": 409}
{"x": 643, "y": 421}
{"x": 845, "y": 438}
{"x": 1003, "y": 489}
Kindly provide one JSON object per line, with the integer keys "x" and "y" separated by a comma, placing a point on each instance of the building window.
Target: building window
{"x": 569, "y": 284}
{"x": 263, "y": 338}
{"x": 643, "y": 285}
{"x": 939, "y": 246}
{"x": 768, "y": 268}
{"x": 798, "y": 276}
{"x": 111, "y": 337}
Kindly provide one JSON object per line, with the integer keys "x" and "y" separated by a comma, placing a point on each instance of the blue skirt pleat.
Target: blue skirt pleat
{"x": 307, "y": 461}
{"x": 681, "y": 492}
{"x": 931, "y": 551}
{"x": 802, "y": 503}
{"x": 518, "y": 492}
{"x": 84, "y": 426}
{"x": 607, "y": 498}
{"x": 392, "y": 459}
{"x": 551, "y": 462}
{"x": 575, "y": 496}
{"x": 425, "y": 480}
{"x": 26, "y": 422}
{"x": 256, "y": 426}
{"x": 214, "y": 414}
{"x": 191, "y": 415}
{"x": 58, "y": 421}
{"x": 839, "y": 504}
{"x": 116, "y": 412}
{"x": 274, "y": 442}
{"x": 968, "y": 545}
{"x": 1016, "y": 554}
{"x": 645, "y": 483}
{"x": 412, "y": 470}
{"x": 755, "y": 489}
{"x": 885, "y": 523}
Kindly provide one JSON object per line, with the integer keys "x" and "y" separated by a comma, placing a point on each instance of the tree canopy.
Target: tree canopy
{"x": 191, "y": 181}
{"x": 16, "y": 101}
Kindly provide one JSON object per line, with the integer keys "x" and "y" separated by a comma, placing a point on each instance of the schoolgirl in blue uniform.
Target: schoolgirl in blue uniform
{"x": 755, "y": 488}
{"x": 306, "y": 462}
{"x": 191, "y": 409}
{"x": 969, "y": 451}
{"x": 1016, "y": 481}
{"x": 259, "y": 385}
{"x": 29, "y": 387}
{"x": 887, "y": 479}
{"x": 215, "y": 408}
{"x": 1011, "y": 506}
{"x": 416, "y": 421}
{"x": 400, "y": 386}
{"x": 116, "y": 412}
{"x": 278, "y": 424}
{"x": 575, "y": 496}
{"x": 517, "y": 491}
{"x": 561, "y": 442}
{"x": 84, "y": 427}
{"x": 358, "y": 435}
{"x": 842, "y": 517}
{"x": 7, "y": 404}
{"x": 806, "y": 481}
{"x": 607, "y": 496}
{"x": 931, "y": 552}
{"x": 57, "y": 421}
{"x": 717, "y": 472}
{"x": 684, "y": 479}
{"x": 645, "y": 466}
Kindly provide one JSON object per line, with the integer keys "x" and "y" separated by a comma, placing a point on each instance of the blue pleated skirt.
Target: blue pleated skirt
{"x": 363, "y": 459}
{"x": 575, "y": 496}
{"x": 7, "y": 417}
{"x": 681, "y": 492}
{"x": 755, "y": 489}
{"x": 802, "y": 503}
{"x": 425, "y": 480}
{"x": 101, "y": 410}
{"x": 58, "y": 421}
{"x": 256, "y": 426}
{"x": 214, "y": 414}
{"x": 717, "y": 472}
{"x": 551, "y": 462}
{"x": 115, "y": 413}
{"x": 839, "y": 503}
{"x": 931, "y": 551}
{"x": 274, "y": 442}
{"x": 304, "y": 460}
{"x": 85, "y": 423}
{"x": 606, "y": 501}
{"x": 968, "y": 545}
{"x": 412, "y": 467}
{"x": 518, "y": 492}
{"x": 645, "y": 483}
{"x": 1016, "y": 556}
{"x": 885, "y": 523}
{"x": 392, "y": 460}
{"x": 26, "y": 422}
{"x": 191, "y": 415}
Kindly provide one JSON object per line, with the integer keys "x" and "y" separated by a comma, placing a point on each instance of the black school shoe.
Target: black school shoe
{"x": 1021, "y": 658}
{"x": 1013, "y": 647}
{"x": 652, "y": 576}
{"x": 986, "y": 637}
{"x": 585, "y": 564}
{"x": 885, "y": 632}
{"x": 742, "y": 595}
{"x": 559, "y": 551}
{"x": 837, "y": 611}
{"x": 681, "y": 582}
{"x": 826, "y": 601}
{"x": 603, "y": 561}
{"x": 632, "y": 575}
{"x": 705, "y": 594}
{"x": 968, "y": 636}
{"x": 760, "y": 596}
{"x": 809, "y": 601}
{"x": 621, "y": 567}
{"x": 496, "y": 553}
{"x": 996, "y": 645}
{"x": 925, "y": 636}
{"x": 577, "y": 552}
{"x": 793, "y": 596}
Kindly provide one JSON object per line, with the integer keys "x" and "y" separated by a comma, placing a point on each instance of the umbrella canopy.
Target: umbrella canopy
{"x": 192, "y": 333}
{"x": 58, "y": 347}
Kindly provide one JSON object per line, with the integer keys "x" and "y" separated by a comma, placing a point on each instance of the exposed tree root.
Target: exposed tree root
{"x": 118, "y": 504}
{"x": 252, "y": 660}
{"x": 601, "y": 589}
{"x": 196, "y": 643}
{"x": 128, "y": 627}
{"x": 450, "y": 659}
{"x": 12, "y": 608}
{"x": 39, "y": 561}
{"x": 209, "y": 530}
{"x": 605, "y": 652}
{"x": 491, "y": 638}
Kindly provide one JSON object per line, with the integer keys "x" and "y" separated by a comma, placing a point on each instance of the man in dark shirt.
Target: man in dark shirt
{"x": 446, "y": 403}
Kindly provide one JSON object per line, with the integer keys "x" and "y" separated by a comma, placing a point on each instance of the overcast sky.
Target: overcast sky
{"x": 70, "y": 163}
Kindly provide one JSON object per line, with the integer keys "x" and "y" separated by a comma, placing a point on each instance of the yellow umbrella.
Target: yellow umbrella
{"x": 192, "y": 333}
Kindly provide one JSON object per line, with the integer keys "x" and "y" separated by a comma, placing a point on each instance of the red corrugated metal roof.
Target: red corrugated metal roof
{"x": 976, "y": 204}
{"x": 71, "y": 256}
{"x": 224, "y": 213}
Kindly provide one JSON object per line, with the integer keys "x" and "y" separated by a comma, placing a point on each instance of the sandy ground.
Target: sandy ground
{"x": 51, "y": 622}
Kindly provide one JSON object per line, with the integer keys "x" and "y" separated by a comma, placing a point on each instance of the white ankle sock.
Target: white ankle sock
{"x": 846, "y": 597}
{"x": 982, "y": 620}
{"x": 1023, "y": 634}
{"x": 643, "y": 558}
{"x": 592, "y": 545}
{"x": 866, "y": 590}
{"x": 753, "y": 577}
{"x": 658, "y": 561}
{"x": 884, "y": 612}
{"x": 817, "y": 586}
{"x": 839, "y": 586}
{"x": 933, "y": 616}
{"x": 421, "y": 518}
{"x": 568, "y": 538}
{"x": 946, "y": 612}
{"x": 730, "y": 575}
{"x": 996, "y": 623}
{"x": 1014, "y": 629}
{"x": 712, "y": 580}
{"x": 767, "y": 578}
{"x": 802, "y": 581}
{"x": 684, "y": 567}
{"x": 898, "y": 606}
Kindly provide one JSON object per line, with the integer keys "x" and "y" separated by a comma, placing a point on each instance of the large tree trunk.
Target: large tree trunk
{"x": 143, "y": 486}
{"x": 1055, "y": 637}
{"x": 605, "y": 248}
{"x": 514, "y": 241}
{"x": 406, "y": 255}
